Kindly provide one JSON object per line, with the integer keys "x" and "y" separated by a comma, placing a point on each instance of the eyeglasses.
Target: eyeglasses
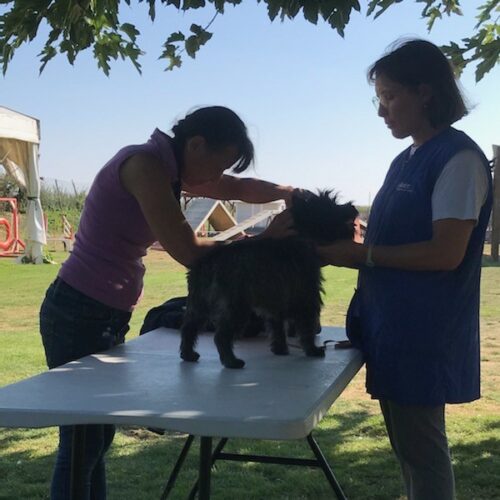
{"x": 379, "y": 101}
{"x": 384, "y": 99}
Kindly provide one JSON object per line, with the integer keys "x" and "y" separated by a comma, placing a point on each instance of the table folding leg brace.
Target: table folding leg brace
{"x": 207, "y": 459}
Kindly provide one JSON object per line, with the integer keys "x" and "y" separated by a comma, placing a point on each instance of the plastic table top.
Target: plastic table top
{"x": 144, "y": 382}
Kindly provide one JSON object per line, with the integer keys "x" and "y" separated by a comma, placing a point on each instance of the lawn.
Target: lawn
{"x": 352, "y": 436}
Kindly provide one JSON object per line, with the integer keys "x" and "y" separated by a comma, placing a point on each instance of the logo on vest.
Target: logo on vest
{"x": 403, "y": 186}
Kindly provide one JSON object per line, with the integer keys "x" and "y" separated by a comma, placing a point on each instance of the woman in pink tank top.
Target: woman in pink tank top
{"x": 133, "y": 202}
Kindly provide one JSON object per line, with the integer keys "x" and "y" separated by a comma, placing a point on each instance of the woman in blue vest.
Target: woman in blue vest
{"x": 415, "y": 314}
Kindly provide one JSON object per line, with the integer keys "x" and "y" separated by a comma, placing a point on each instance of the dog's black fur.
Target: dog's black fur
{"x": 279, "y": 280}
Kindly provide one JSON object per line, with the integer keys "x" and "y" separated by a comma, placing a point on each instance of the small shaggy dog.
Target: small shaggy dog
{"x": 278, "y": 280}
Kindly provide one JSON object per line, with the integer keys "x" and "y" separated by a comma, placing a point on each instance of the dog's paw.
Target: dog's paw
{"x": 316, "y": 352}
{"x": 234, "y": 363}
{"x": 190, "y": 356}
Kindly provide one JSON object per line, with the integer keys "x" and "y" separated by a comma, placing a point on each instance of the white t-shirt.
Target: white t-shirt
{"x": 461, "y": 189}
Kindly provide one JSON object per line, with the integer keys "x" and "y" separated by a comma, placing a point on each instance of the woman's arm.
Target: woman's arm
{"x": 143, "y": 176}
{"x": 444, "y": 252}
{"x": 247, "y": 189}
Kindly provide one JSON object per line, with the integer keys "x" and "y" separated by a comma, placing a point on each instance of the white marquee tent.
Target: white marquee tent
{"x": 19, "y": 140}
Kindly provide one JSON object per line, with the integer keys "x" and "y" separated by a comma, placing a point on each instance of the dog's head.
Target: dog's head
{"x": 321, "y": 218}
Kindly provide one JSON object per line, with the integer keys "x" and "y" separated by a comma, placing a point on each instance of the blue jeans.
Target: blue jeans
{"x": 74, "y": 325}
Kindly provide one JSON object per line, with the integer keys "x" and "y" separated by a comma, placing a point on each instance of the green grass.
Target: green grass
{"x": 352, "y": 436}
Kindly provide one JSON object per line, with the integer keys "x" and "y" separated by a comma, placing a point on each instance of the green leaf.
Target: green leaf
{"x": 6, "y": 56}
{"x": 292, "y": 9}
{"x": 456, "y": 55}
{"x": 201, "y": 33}
{"x": 170, "y": 53}
{"x": 485, "y": 11}
{"x": 486, "y": 65}
{"x": 67, "y": 47}
{"x": 47, "y": 53}
{"x": 152, "y": 9}
{"x": 327, "y": 8}
{"x": 433, "y": 14}
{"x": 176, "y": 37}
{"x": 133, "y": 52}
{"x": 196, "y": 29}
{"x": 130, "y": 30}
{"x": 311, "y": 11}
{"x": 193, "y": 4}
{"x": 192, "y": 45}
{"x": 175, "y": 3}
{"x": 273, "y": 8}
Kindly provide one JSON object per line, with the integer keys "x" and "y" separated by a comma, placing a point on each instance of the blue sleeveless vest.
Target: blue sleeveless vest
{"x": 420, "y": 329}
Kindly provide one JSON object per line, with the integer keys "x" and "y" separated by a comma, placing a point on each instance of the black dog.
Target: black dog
{"x": 279, "y": 280}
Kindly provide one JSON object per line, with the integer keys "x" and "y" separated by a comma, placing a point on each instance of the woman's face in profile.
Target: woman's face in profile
{"x": 401, "y": 107}
{"x": 202, "y": 164}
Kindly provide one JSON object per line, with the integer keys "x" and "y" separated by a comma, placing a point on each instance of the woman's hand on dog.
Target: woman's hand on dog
{"x": 343, "y": 253}
{"x": 281, "y": 226}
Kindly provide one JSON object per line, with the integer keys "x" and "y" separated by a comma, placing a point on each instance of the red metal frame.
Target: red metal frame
{"x": 17, "y": 245}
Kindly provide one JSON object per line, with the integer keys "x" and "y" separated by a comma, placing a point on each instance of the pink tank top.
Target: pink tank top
{"x": 113, "y": 235}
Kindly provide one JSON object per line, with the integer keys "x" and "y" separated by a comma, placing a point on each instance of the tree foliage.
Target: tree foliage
{"x": 77, "y": 25}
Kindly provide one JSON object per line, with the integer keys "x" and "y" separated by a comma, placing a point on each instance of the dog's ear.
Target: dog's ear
{"x": 351, "y": 212}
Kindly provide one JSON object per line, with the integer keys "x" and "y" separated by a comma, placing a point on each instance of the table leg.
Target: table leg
{"x": 215, "y": 455}
{"x": 177, "y": 467}
{"x": 205, "y": 466}
{"x": 77, "y": 459}
{"x": 207, "y": 459}
{"x": 326, "y": 468}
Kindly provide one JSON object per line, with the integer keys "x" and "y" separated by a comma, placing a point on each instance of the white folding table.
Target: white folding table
{"x": 143, "y": 382}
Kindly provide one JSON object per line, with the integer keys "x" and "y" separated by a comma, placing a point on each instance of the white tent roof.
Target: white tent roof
{"x": 14, "y": 125}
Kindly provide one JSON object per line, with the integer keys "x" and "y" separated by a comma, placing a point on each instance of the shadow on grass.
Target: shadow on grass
{"x": 22, "y": 476}
{"x": 488, "y": 261}
{"x": 354, "y": 443}
{"x": 492, "y": 425}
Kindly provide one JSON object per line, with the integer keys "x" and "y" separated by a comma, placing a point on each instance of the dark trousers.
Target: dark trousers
{"x": 418, "y": 439}
{"x": 72, "y": 326}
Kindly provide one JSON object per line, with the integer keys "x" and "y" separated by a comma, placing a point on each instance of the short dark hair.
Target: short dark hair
{"x": 220, "y": 127}
{"x": 415, "y": 62}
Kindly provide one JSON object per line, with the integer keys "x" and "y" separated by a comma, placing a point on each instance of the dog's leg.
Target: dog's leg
{"x": 254, "y": 326}
{"x": 318, "y": 325}
{"x": 307, "y": 325}
{"x": 189, "y": 336}
{"x": 278, "y": 342}
{"x": 226, "y": 327}
{"x": 290, "y": 328}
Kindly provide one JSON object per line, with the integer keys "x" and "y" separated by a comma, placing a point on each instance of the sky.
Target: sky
{"x": 300, "y": 88}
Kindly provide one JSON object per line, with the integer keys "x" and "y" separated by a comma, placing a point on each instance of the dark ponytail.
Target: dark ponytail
{"x": 220, "y": 127}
